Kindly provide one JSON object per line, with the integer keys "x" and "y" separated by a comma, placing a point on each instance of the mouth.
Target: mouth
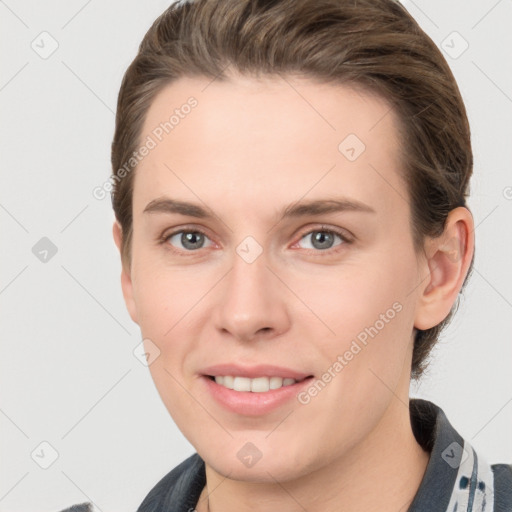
{"x": 254, "y": 396}
{"x": 254, "y": 385}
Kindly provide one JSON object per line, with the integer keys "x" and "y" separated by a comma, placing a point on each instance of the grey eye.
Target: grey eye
{"x": 189, "y": 240}
{"x": 321, "y": 239}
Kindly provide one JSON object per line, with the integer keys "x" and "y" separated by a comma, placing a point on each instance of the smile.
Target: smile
{"x": 256, "y": 385}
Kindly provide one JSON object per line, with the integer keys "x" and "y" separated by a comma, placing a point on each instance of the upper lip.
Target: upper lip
{"x": 261, "y": 370}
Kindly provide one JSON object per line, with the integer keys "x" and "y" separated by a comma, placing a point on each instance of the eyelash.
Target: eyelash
{"x": 164, "y": 239}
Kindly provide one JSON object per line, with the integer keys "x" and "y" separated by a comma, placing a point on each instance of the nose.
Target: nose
{"x": 252, "y": 304}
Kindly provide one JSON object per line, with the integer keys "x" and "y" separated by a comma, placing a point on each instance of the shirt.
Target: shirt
{"x": 456, "y": 478}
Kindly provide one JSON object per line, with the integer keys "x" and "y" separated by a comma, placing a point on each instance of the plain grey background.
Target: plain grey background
{"x": 75, "y": 399}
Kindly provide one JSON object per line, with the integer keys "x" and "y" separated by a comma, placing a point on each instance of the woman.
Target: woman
{"x": 290, "y": 183}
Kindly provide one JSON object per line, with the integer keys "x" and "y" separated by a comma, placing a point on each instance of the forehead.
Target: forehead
{"x": 270, "y": 102}
{"x": 269, "y": 133}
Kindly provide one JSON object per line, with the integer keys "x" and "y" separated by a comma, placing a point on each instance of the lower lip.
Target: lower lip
{"x": 254, "y": 404}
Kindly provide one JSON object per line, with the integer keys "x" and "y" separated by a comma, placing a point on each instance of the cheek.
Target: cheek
{"x": 180, "y": 403}
{"x": 360, "y": 295}
{"x": 168, "y": 301}
{"x": 162, "y": 295}
{"x": 370, "y": 312}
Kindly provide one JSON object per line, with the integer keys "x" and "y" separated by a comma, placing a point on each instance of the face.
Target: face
{"x": 271, "y": 241}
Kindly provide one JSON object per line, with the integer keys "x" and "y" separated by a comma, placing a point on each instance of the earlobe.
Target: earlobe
{"x": 448, "y": 259}
{"x": 126, "y": 278}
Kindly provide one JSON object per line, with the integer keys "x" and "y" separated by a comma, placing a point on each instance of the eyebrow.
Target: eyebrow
{"x": 294, "y": 210}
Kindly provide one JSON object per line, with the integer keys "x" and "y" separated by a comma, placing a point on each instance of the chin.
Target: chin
{"x": 246, "y": 463}
{"x": 260, "y": 473}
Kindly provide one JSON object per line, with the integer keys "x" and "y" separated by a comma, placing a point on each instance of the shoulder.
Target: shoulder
{"x": 82, "y": 507}
{"x": 179, "y": 489}
{"x": 502, "y": 487}
{"x": 456, "y": 477}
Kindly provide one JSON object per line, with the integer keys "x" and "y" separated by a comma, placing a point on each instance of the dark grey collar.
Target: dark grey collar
{"x": 456, "y": 479}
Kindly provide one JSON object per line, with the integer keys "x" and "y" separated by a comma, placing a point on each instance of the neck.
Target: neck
{"x": 383, "y": 472}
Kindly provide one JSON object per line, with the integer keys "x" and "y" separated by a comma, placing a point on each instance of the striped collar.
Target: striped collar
{"x": 456, "y": 478}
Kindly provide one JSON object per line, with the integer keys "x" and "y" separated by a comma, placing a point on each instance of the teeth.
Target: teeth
{"x": 257, "y": 385}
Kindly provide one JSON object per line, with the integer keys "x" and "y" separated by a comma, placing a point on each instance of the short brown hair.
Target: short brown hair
{"x": 372, "y": 45}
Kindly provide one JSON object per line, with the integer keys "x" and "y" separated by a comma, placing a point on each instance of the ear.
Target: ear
{"x": 448, "y": 258}
{"x": 126, "y": 279}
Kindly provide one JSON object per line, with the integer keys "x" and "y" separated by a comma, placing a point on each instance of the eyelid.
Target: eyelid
{"x": 345, "y": 235}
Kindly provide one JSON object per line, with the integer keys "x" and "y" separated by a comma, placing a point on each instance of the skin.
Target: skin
{"x": 249, "y": 149}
